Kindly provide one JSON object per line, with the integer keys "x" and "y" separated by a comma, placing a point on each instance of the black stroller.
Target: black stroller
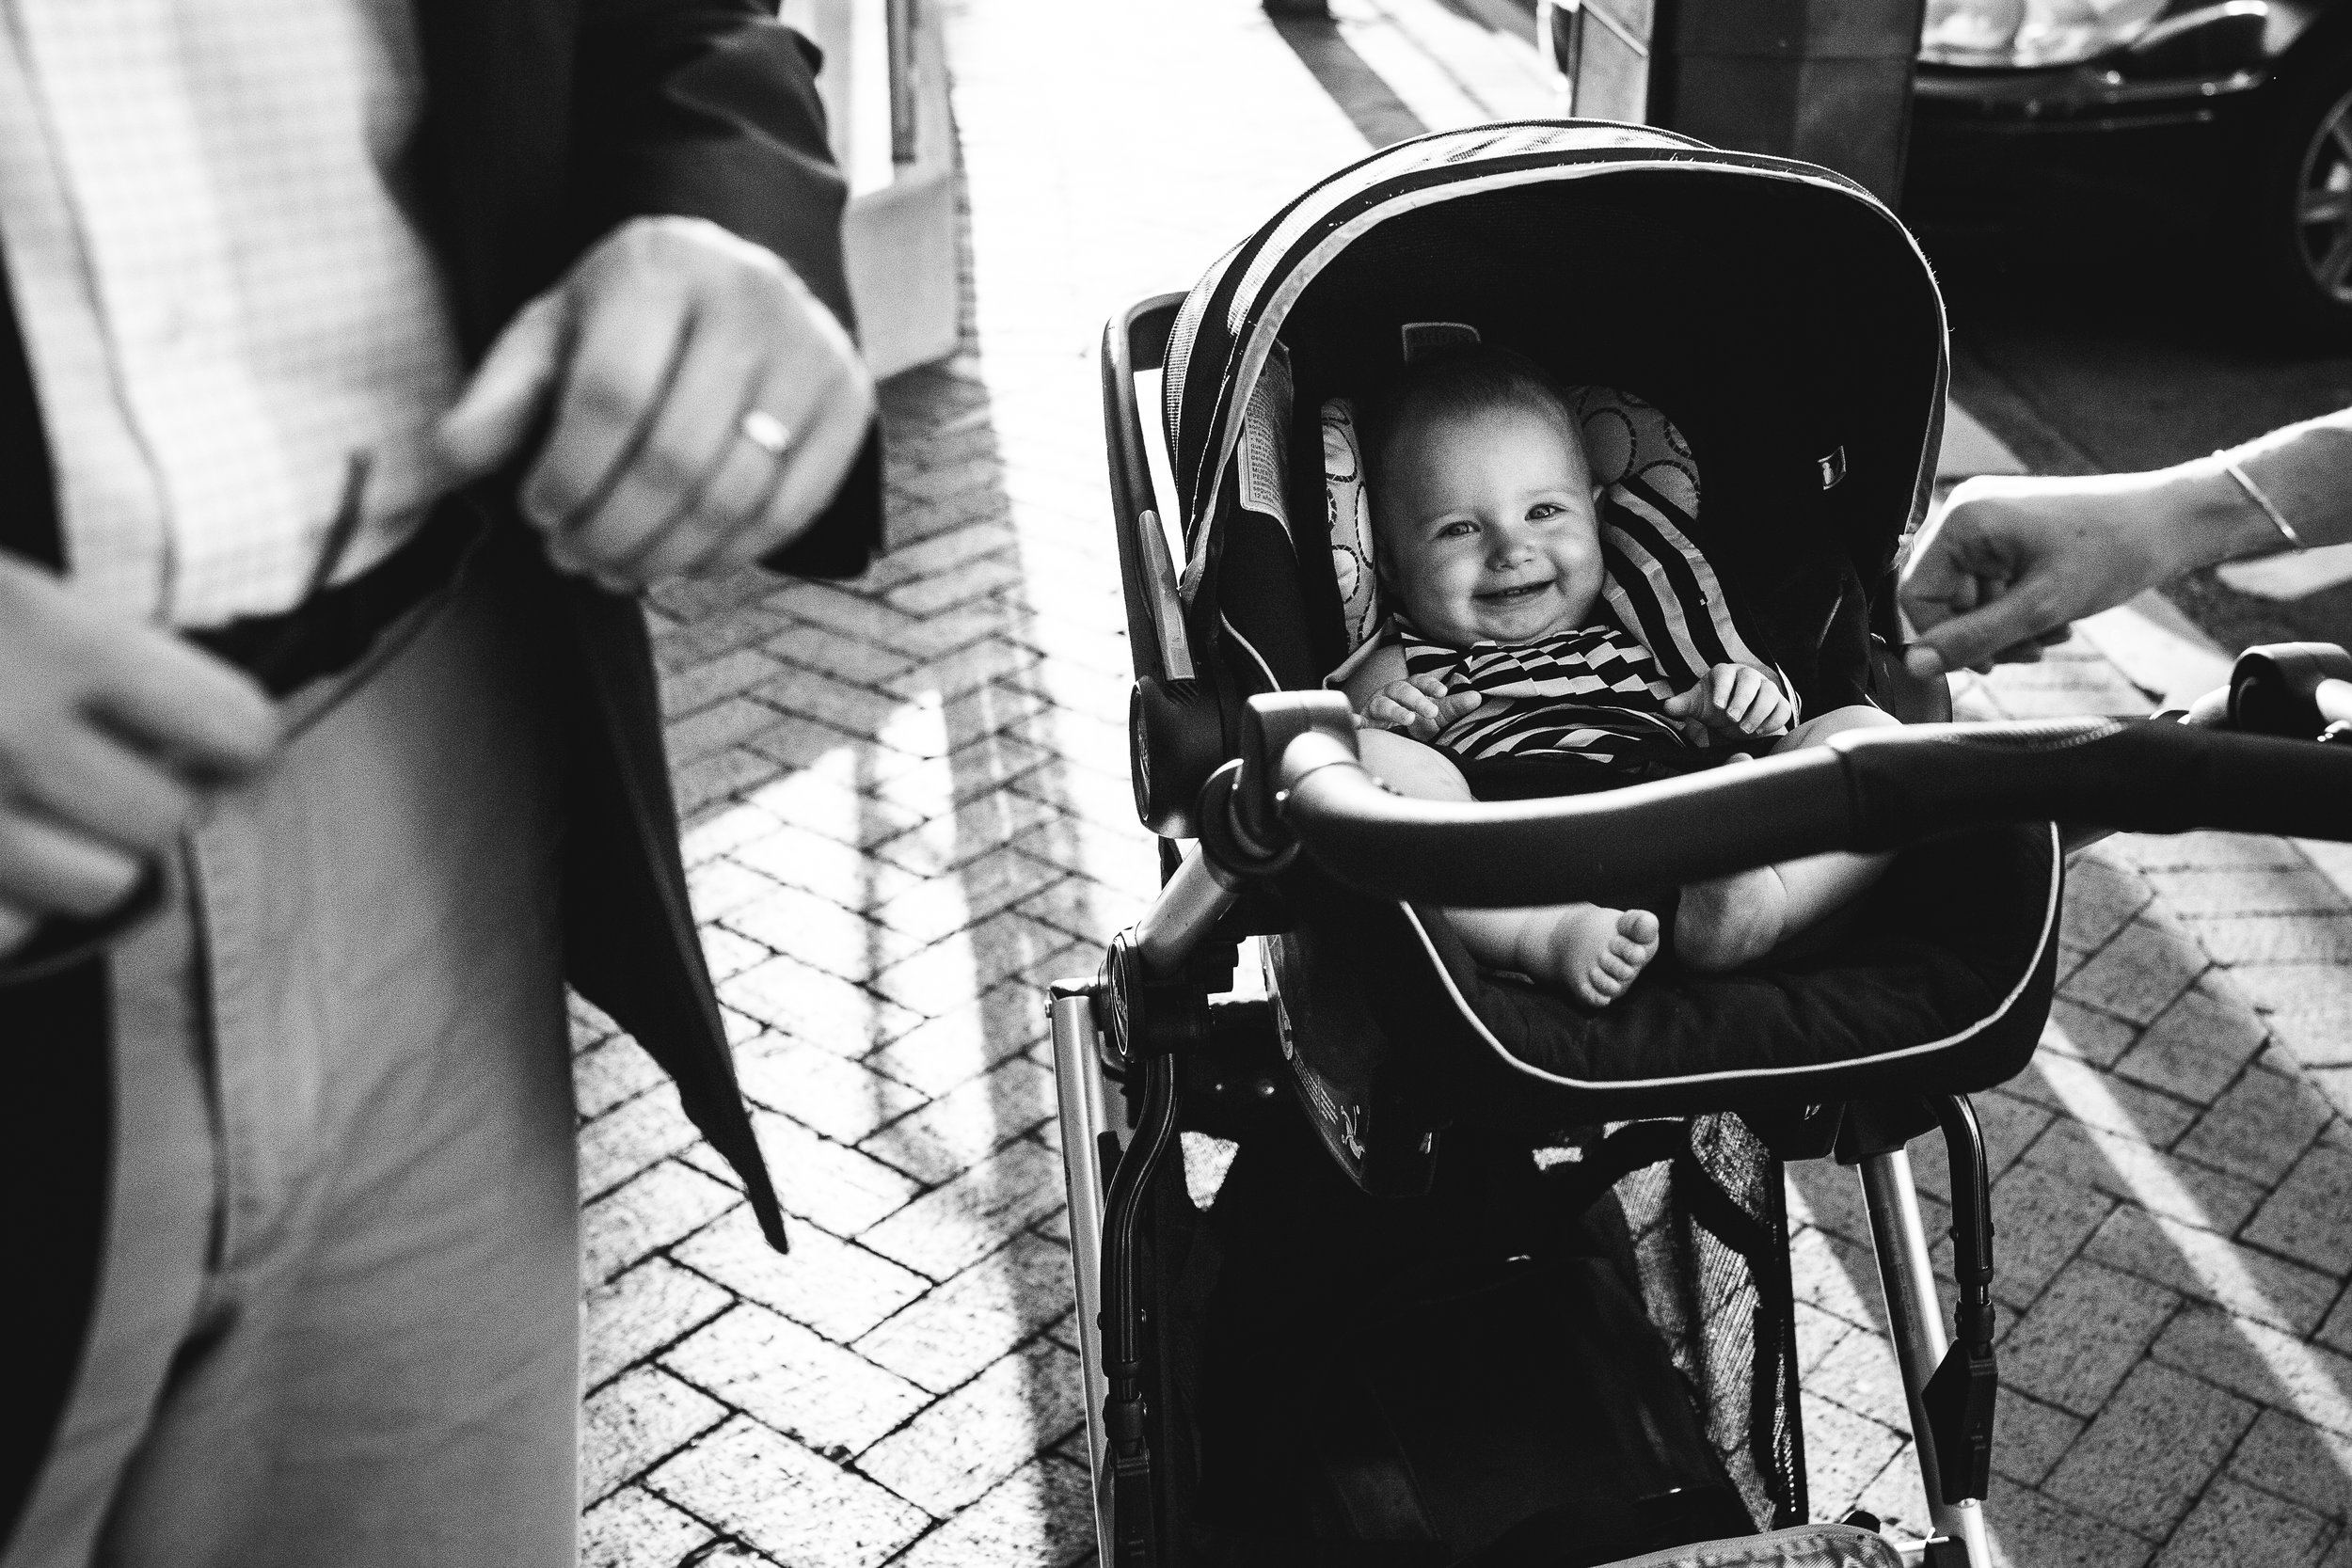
{"x": 1492, "y": 1278}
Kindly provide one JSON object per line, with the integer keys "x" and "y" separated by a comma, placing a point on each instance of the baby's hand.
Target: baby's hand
{"x": 1734, "y": 699}
{"x": 1421, "y": 707}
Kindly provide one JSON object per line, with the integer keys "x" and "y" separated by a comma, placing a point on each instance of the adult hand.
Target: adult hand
{"x": 1420, "y": 708}
{"x": 111, "y": 733}
{"x": 2010, "y": 562}
{"x": 701, "y": 407}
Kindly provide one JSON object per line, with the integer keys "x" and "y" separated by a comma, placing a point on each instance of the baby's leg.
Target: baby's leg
{"x": 1590, "y": 951}
{"x": 1735, "y": 920}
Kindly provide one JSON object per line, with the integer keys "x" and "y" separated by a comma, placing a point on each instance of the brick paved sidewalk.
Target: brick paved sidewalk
{"x": 906, "y": 806}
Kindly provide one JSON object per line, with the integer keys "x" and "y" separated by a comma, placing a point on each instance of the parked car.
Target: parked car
{"x": 2243, "y": 108}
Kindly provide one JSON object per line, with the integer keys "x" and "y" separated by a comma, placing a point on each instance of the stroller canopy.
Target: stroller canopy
{"x": 1781, "y": 315}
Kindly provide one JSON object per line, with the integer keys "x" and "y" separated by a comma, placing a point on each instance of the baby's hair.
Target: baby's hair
{"x": 1464, "y": 378}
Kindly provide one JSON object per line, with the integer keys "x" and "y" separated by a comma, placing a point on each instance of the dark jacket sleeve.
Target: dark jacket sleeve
{"x": 709, "y": 108}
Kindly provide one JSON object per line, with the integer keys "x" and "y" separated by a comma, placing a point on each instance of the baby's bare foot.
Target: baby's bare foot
{"x": 1596, "y": 952}
{"x": 1731, "y": 921}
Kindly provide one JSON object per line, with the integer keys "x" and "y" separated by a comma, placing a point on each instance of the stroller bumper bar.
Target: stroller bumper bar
{"x": 1869, "y": 791}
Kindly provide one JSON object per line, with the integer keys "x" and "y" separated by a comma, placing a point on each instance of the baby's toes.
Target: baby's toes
{"x": 1636, "y": 937}
{"x": 1598, "y": 988}
{"x": 1630, "y": 949}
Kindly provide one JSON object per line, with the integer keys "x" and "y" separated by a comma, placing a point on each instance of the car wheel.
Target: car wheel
{"x": 2299, "y": 224}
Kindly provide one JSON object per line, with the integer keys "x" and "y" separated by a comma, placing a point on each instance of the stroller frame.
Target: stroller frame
{"x": 1105, "y": 1210}
{"x": 1151, "y": 1000}
{"x": 1270, "y": 789}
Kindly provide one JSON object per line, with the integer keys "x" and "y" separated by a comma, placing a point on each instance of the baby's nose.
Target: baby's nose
{"x": 1512, "y": 543}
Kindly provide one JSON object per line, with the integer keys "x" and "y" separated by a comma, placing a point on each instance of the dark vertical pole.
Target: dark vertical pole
{"x": 1827, "y": 81}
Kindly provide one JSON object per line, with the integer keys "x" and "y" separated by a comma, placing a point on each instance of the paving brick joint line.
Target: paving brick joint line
{"x": 905, "y": 809}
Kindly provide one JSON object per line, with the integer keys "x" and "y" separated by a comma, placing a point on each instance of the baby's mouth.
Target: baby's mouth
{"x": 1515, "y": 593}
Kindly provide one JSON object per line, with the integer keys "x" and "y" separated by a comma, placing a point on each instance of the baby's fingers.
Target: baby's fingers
{"x": 1769, "y": 714}
{"x": 1750, "y": 703}
{"x": 1411, "y": 698}
{"x": 1455, "y": 704}
{"x": 1385, "y": 712}
{"x": 1723, "y": 691}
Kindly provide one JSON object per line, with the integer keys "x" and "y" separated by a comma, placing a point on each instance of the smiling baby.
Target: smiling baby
{"x": 1489, "y": 537}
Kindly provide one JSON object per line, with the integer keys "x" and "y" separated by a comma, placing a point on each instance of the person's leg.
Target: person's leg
{"x": 385, "y": 1370}
{"x": 159, "y": 1226}
{"x": 1589, "y": 950}
{"x": 1735, "y": 920}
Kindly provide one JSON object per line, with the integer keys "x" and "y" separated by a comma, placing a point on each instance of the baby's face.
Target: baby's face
{"x": 1487, "y": 527}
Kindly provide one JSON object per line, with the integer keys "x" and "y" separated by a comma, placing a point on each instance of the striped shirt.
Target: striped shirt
{"x": 1594, "y": 693}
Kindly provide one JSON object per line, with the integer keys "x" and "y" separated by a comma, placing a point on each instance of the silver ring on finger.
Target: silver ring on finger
{"x": 749, "y": 517}
{"x": 765, "y": 431}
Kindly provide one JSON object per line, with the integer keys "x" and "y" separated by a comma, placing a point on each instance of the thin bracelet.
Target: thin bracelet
{"x": 2278, "y": 520}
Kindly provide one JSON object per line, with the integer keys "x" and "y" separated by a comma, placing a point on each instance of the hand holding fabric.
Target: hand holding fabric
{"x": 701, "y": 405}
{"x": 111, "y": 734}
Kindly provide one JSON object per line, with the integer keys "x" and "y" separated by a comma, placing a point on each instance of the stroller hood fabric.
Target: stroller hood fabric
{"x": 1447, "y": 204}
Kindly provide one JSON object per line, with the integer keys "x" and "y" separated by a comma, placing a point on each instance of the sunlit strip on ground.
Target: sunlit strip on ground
{"x": 2304, "y": 1381}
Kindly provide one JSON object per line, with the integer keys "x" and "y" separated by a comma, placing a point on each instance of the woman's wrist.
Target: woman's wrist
{"x": 2209, "y": 516}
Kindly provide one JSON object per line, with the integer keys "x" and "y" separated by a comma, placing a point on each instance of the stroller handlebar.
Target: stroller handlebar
{"x": 1869, "y": 791}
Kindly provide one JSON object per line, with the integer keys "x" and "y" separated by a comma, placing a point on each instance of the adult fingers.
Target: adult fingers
{"x": 666, "y": 505}
{"x": 2029, "y": 609}
{"x": 87, "y": 782}
{"x": 507, "y": 396}
{"x": 613, "y": 383}
{"x": 205, "y": 717}
{"x": 728, "y": 501}
{"x": 835, "y": 406}
{"x": 736, "y": 508}
{"x": 53, "y": 870}
{"x": 1943, "y": 564}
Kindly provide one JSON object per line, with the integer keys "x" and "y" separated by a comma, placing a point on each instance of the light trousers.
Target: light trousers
{"x": 338, "y": 1319}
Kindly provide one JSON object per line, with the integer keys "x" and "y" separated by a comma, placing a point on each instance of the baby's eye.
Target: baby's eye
{"x": 1544, "y": 511}
{"x": 1457, "y": 529}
